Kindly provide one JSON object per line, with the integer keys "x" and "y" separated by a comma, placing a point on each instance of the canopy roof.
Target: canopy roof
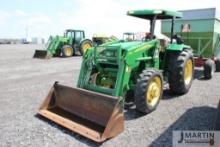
{"x": 149, "y": 14}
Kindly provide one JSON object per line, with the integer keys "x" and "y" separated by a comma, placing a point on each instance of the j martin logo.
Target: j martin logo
{"x": 196, "y": 138}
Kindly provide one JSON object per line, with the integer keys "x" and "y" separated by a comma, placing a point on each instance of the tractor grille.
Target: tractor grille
{"x": 105, "y": 55}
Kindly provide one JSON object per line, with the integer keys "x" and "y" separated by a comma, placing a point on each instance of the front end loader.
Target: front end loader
{"x": 72, "y": 43}
{"x": 52, "y": 47}
{"x": 113, "y": 74}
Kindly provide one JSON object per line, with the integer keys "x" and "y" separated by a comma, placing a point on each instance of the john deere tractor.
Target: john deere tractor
{"x": 129, "y": 36}
{"x": 114, "y": 73}
{"x": 72, "y": 43}
{"x": 99, "y": 39}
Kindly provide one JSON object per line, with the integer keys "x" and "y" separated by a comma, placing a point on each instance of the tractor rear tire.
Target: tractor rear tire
{"x": 209, "y": 68}
{"x": 86, "y": 44}
{"x": 217, "y": 65}
{"x": 148, "y": 91}
{"x": 180, "y": 71}
{"x": 67, "y": 51}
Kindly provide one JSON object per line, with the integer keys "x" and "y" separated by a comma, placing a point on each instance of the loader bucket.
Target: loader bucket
{"x": 41, "y": 54}
{"x": 93, "y": 115}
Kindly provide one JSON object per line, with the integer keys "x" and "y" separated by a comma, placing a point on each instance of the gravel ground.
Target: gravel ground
{"x": 25, "y": 82}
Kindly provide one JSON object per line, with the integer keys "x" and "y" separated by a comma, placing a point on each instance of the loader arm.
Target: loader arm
{"x": 118, "y": 66}
{"x": 56, "y": 44}
{"x": 52, "y": 47}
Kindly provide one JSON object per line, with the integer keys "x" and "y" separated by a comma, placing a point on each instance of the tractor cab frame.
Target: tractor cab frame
{"x": 75, "y": 37}
{"x": 153, "y": 15}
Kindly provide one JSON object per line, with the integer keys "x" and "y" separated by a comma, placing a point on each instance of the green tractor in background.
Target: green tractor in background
{"x": 115, "y": 73}
{"x": 72, "y": 43}
{"x": 99, "y": 39}
{"x": 129, "y": 36}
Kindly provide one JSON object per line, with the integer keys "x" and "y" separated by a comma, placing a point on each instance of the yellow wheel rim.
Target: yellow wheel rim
{"x": 86, "y": 46}
{"x": 68, "y": 51}
{"x": 153, "y": 91}
{"x": 188, "y": 71}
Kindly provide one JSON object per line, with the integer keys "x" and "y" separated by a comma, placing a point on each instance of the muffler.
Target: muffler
{"x": 93, "y": 115}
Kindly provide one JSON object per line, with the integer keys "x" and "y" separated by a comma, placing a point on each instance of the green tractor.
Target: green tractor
{"x": 115, "y": 73}
{"x": 72, "y": 43}
{"x": 101, "y": 39}
{"x": 129, "y": 36}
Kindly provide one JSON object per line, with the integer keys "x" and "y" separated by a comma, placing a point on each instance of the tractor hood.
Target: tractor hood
{"x": 128, "y": 46}
{"x": 123, "y": 45}
{"x": 113, "y": 52}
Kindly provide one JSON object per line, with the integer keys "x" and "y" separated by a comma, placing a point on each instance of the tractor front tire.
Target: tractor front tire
{"x": 148, "y": 91}
{"x": 67, "y": 51}
{"x": 86, "y": 44}
{"x": 217, "y": 65}
{"x": 180, "y": 71}
{"x": 209, "y": 68}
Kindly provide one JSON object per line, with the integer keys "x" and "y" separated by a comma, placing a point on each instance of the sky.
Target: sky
{"x": 42, "y": 18}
